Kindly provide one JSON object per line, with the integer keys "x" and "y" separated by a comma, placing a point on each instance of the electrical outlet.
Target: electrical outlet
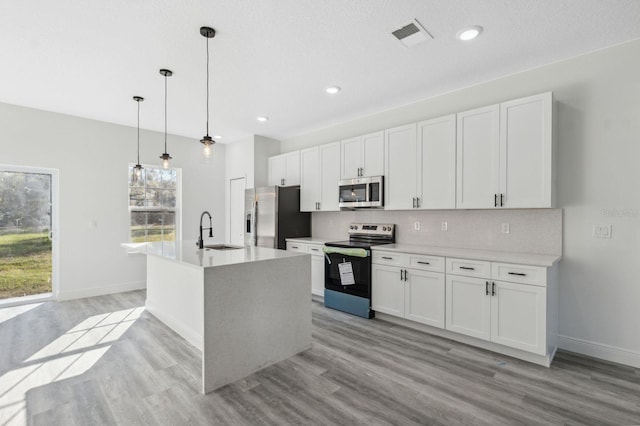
{"x": 602, "y": 231}
{"x": 443, "y": 226}
{"x": 416, "y": 226}
{"x": 506, "y": 229}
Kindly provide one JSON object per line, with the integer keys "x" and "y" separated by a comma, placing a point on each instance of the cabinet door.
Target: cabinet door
{"x": 317, "y": 274}
{"x": 387, "y": 290}
{"x": 437, "y": 169}
{"x": 330, "y": 175}
{"x": 276, "y": 170}
{"x": 400, "y": 167}
{"x": 309, "y": 179}
{"x": 292, "y": 168}
{"x": 351, "y": 158}
{"x": 468, "y": 307}
{"x": 424, "y": 297}
{"x": 478, "y": 154}
{"x": 373, "y": 154}
{"x": 526, "y": 152}
{"x": 518, "y": 316}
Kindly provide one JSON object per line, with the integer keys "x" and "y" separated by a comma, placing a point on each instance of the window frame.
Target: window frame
{"x": 177, "y": 210}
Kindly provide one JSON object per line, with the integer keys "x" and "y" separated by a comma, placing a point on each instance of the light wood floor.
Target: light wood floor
{"x": 103, "y": 360}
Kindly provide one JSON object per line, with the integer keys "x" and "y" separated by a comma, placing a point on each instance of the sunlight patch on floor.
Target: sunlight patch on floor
{"x": 13, "y": 311}
{"x": 70, "y": 355}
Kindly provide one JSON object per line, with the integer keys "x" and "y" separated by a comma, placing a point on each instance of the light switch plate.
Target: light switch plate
{"x": 602, "y": 231}
{"x": 416, "y": 226}
{"x": 443, "y": 226}
{"x": 506, "y": 229}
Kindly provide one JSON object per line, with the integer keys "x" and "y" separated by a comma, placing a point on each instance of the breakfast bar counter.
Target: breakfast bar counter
{"x": 245, "y": 307}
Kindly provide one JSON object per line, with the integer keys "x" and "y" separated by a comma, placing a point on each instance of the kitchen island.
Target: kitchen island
{"x": 244, "y": 308}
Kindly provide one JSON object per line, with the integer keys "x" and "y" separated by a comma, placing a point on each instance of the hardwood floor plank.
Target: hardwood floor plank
{"x": 358, "y": 372}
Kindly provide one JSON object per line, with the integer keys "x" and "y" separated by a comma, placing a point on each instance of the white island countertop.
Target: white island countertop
{"x": 186, "y": 252}
{"x": 477, "y": 254}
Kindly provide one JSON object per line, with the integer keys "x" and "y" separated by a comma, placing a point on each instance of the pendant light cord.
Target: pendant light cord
{"x": 207, "y": 86}
{"x": 165, "y": 113}
{"x": 138, "y": 132}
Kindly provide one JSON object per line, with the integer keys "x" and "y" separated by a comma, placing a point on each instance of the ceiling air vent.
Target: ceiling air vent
{"x": 412, "y": 34}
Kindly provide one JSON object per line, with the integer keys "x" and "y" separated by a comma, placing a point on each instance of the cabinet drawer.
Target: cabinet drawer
{"x": 315, "y": 249}
{"x": 426, "y": 263}
{"x": 469, "y": 268}
{"x": 390, "y": 258}
{"x": 536, "y": 275}
{"x": 296, "y": 247}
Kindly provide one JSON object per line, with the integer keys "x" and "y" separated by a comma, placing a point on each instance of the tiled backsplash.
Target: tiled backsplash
{"x": 536, "y": 231}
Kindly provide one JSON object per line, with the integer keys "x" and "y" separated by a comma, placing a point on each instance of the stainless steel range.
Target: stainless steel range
{"x": 347, "y": 268}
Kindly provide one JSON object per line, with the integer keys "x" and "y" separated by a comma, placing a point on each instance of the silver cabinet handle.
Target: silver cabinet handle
{"x": 387, "y": 257}
{"x": 315, "y": 249}
{"x": 418, "y": 202}
{"x": 520, "y": 274}
{"x": 468, "y": 268}
{"x": 295, "y": 247}
{"x": 414, "y": 202}
{"x": 493, "y": 288}
{"x": 424, "y": 263}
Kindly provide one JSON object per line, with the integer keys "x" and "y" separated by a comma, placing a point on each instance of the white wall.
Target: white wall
{"x": 247, "y": 158}
{"x": 92, "y": 158}
{"x": 598, "y": 137}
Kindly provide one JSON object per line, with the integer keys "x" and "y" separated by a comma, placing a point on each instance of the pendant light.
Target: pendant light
{"x": 207, "y": 141}
{"x": 165, "y": 155}
{"x": 137, "y": 169}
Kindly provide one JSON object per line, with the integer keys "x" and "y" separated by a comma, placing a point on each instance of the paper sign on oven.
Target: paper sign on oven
{"x": 346, "y": 273}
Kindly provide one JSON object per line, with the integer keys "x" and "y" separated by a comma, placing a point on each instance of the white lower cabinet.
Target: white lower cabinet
{"x": 317, "y": 269}
{"x": 468, "y": 307}
{"x": 508, "y": 313}
{"x": 414, "y": 294}
{"x": 510, "y": 307}
{"x": 518, "y": 316}
{"x": 317, "y": 263}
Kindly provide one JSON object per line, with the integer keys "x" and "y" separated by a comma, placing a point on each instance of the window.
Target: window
{"x": 153, "y": 204}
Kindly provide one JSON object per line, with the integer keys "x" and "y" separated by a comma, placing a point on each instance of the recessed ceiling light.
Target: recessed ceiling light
{"x": 469, "y": 33}
{"x": 262, "y": 118}
{"x": 332, "y": 90}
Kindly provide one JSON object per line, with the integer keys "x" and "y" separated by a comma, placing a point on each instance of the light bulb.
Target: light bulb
{"x": 206, "y": 150}
{"x": 138, "y": 172}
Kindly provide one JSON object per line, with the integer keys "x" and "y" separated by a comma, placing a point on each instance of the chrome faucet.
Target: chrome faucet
{"x": 200, "y": 242}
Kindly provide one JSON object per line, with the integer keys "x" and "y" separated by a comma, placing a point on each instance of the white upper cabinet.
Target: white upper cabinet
{"x": 437, "y": 163}
{"x": 504, "y": 155}
{"x": 526, "y": 152}
{"x": 309, "y": 179}
{"x": 320, "y": 173}
{"x": 478, "y": 158}
{"x": 362, "y": 156}
{"x": 401, "y": 167}
{"x": 284, "y": 169}
{"x": 421, "y": 165}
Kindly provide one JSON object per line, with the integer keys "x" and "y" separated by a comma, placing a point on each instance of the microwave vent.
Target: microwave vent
{"x": 412, "y": 34}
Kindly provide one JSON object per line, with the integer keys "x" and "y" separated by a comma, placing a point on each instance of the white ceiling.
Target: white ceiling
{"x": 275, "y": 57}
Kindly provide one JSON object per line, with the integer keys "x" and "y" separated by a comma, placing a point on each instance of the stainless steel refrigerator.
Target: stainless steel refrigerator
{"x": 272, "y": 214}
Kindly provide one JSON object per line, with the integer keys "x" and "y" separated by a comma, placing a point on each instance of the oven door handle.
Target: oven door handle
{"x": 353, "y": 252}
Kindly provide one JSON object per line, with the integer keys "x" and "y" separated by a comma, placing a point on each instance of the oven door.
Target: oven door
{"x": 361, "y": 267}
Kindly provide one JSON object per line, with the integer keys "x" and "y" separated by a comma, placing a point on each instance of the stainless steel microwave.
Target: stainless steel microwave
{"x": 365, "y": 192}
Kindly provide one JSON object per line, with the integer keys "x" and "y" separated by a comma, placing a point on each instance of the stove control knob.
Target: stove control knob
{"x": 351, "y": 227}
{"x": 384, "y": 228}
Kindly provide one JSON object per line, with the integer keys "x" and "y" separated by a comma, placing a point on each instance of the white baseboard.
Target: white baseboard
{"x": 100, "y": 291}
{"x": 599, "y": 350}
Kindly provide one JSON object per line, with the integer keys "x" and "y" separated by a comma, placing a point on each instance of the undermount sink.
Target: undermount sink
{"x": 222, "y": 247}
